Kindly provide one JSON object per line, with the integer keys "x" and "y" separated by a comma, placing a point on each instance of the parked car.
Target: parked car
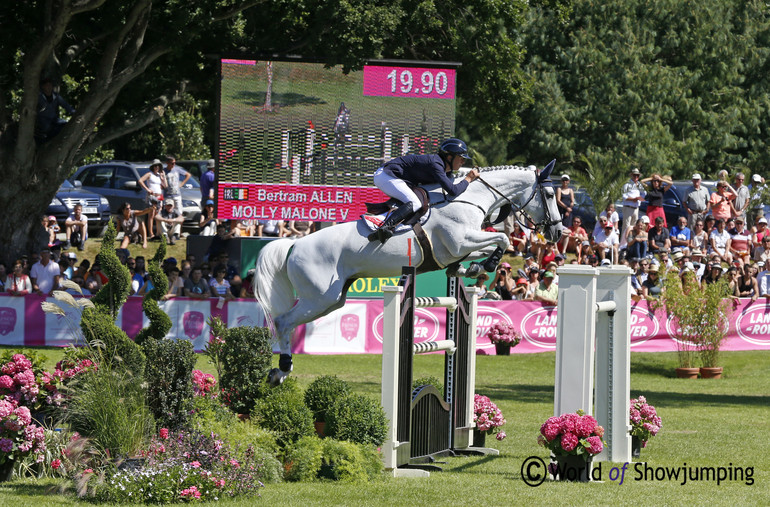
{"x": 118, "y": 181}
{"x": 194, "y": 167}
{"x": 583, "y": 207}
{"x": 95, "y": 207}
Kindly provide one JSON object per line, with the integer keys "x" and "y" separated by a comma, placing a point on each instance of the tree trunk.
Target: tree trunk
{"x": 24, "y": 234}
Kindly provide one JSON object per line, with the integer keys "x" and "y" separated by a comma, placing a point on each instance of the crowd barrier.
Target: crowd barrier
{"x": 357, "y": 327}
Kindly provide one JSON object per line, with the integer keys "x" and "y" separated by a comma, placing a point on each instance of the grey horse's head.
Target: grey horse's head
{"x": 551, "y": 221}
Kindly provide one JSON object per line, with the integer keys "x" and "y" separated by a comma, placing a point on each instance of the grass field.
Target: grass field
{"x": 706, "y": 423}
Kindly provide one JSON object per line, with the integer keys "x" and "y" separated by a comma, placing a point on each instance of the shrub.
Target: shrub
{"x": 348, "y": 461}
{"x": 109, "y": 407}
{"x": 323, "y": 392}
{"x": 428, "y": 381}
{"x": 357, "y": 418}
{"x": 246, "y": 356}
{"x": 303, "y": 459}
{"x": 169, "y": 381}
{"x": 284, "y": 411}
{"x": 36, "y": 358}
{"x": 160, "y": 322}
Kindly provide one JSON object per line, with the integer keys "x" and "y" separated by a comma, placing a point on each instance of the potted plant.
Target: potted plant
{"x": 574, "y": 439}
{"x": 488, "y": 419}
{"x": 699, "y": 315}
{"x": 504, "y": 336}
{"x": 645, "y": 424}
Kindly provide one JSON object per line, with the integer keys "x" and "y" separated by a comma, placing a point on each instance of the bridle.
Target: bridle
{"x": 519, "y": 210}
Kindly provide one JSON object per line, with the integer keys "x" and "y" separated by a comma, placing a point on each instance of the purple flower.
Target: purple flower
{"x": 6, "y": 444}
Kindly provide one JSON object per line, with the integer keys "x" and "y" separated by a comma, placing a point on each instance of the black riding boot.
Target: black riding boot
{"x": 385, "y": 231}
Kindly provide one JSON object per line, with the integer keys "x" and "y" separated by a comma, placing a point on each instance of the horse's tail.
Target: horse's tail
{"x": 272, "y": 287}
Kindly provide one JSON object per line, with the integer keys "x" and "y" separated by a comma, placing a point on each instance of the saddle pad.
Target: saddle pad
{"x": 373, "y": 222}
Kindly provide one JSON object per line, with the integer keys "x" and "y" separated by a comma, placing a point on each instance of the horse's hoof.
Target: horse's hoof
{"x": 276, "y": 377}
{"x": 473, "y": 271}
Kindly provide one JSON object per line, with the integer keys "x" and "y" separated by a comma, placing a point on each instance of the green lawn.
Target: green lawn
{"x": 705, "y": 423}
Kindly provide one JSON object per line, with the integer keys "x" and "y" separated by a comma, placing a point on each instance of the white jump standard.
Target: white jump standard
{"x": 422, "y": 424}
{"x": 596, "y": 303}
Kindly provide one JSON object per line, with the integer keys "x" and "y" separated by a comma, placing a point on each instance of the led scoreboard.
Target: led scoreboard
{"x": 301, "y": 140}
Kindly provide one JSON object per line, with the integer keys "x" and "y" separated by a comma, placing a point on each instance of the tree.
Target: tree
{"x": 123, "y": 64}
{"x": 666, "y": 86}
{"x": 108, "y": 58}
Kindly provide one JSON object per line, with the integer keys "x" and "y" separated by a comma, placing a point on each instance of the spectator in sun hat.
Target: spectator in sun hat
{"x": 52, "y": 228}
{"x": 652, "y": 288}
{"x": 520, "y": 291}
{"x": 547, "y": 292}
{"x": 565, "y": 199}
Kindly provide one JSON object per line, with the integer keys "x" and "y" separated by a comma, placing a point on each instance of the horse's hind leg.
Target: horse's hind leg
{"x": 306, "y": 310}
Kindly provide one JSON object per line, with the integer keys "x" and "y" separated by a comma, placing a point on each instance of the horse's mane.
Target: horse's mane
{"x": 464, "y": 170}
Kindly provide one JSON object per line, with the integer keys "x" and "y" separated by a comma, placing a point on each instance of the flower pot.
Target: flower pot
{"x": 571, "y": 468}
{"x": 6, "y": 470}
{"x": 479, "y": 438}
{"x": 502, "y": 349}
{"x": 713, "y": 372}
{"x": 132, "y": 464}
{"x": 320, "y": 427}
{"x": 687, "y": 372}
{"x": 636, "y": 447}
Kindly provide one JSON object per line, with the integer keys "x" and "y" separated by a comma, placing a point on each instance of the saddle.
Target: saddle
{"x": 379, "y": 208}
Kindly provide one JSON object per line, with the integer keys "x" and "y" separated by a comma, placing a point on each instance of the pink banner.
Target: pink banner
{"x": 417, "y": 82}
{"x": 357, "y": 327}
{"x": 319, "y": 203}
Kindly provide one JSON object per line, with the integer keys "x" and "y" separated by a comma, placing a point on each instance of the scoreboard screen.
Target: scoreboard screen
{"x": 301, "y": 140}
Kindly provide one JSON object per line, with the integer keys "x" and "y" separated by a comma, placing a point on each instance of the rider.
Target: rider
{"x": 396, "y": 176}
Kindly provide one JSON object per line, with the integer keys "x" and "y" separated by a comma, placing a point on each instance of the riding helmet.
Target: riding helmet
{"x": 454, "y": 146}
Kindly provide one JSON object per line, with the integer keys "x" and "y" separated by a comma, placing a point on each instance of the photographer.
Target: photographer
{"x": 503, "y": 283}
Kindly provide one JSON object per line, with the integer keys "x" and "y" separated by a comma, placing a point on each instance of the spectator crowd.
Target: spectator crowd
{"x": 724, "y": 234}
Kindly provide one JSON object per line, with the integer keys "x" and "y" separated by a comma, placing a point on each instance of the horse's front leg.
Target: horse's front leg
{"x": 473, "y": 241}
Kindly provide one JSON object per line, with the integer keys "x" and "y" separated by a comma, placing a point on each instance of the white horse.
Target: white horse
{"x": 300, "y": 280}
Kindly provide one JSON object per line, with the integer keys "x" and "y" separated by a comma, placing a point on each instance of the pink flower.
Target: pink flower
{"x": 24, "y": 415}
{"x": 6, "y": 382}
{"x": 164, "y": 433}
{"x": 595, "y": 445}
{"x": 88, "y": 471}
{"x": 569, "y": 441}
{"x": 191, "y": 492}
{"x": 235, "y": 463}
{"x": 569, "y": 423}
{"x": 55, "y": 464}
{"x": 585, "y": 426}
{"x": 500, "y": 435}
{"x": 6, "y": 409}
{"x": 195, "y": 464}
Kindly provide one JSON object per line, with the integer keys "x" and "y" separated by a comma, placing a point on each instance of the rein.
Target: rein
{"x": 515, "y": 208}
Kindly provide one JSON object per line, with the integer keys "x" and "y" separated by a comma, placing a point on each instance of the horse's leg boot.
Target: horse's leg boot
{"x": 493, "y": 260}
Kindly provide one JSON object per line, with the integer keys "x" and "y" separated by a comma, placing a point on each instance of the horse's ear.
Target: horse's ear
{"x": 547, "y": 170}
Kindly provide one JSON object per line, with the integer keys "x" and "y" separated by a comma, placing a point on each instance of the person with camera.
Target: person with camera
{"x": 504, "y": 284}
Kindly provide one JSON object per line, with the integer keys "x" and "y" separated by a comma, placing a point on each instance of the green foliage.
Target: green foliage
{"x": 700, "y": 316}
{"x": 98, "y": 322}
{"x": 303, "y": 459}
{"x": 323, "y": 392}
{"x": 283, "y": 411}
{"x": 428, "y": 381}
{"x": 169, "y": 381}
{"x": 357, "y": 418}
{"x": 669, "y": 87}
{"x": 109, "y": 407}
{"x": 350, "y": 462}
{"x": 246, "y": 357}
{"x": 160, "y": 323}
